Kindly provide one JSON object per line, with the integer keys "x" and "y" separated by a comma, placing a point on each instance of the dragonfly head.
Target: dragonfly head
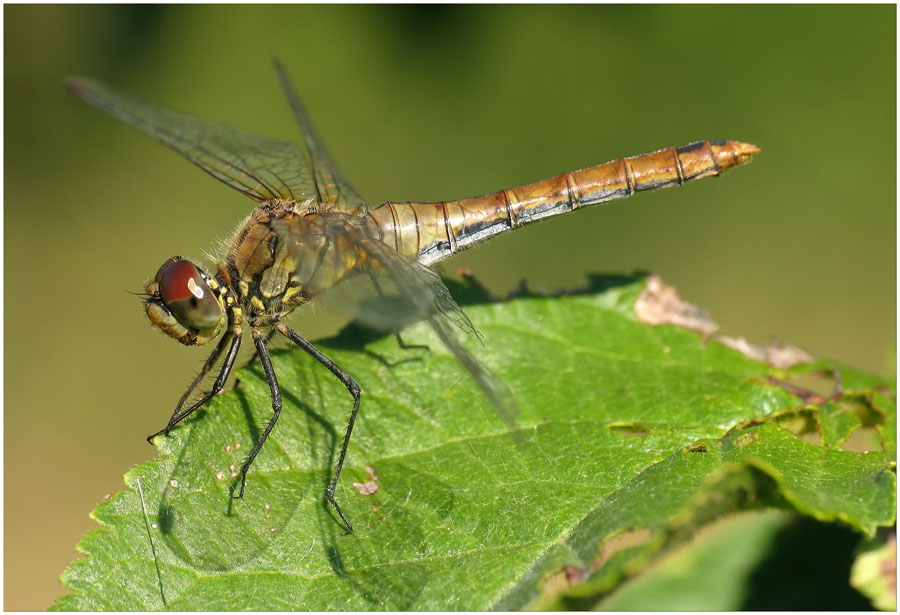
{"x": 183, "y": 304}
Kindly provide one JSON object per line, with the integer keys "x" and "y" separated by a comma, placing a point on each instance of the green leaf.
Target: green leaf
{"x": 756, "y": 561}
{"x": 630, "y": 437}
{"x": 711, "y": 573}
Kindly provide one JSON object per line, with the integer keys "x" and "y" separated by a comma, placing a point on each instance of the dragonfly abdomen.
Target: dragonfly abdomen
{"x": 431, "y": 232}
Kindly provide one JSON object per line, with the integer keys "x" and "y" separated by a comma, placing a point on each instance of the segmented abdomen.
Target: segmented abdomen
{"x": 431, "y": 232}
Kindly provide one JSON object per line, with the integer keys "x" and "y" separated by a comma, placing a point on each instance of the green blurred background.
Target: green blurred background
{"x": 423, "y": 103}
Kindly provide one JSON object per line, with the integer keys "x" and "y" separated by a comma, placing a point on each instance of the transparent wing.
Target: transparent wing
{"x": 332, "y": 187}
{"x": 259, "y": 167}
{"x": 404, "y": 291}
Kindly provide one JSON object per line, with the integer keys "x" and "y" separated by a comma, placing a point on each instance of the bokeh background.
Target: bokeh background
{"x": 421, "y": 103}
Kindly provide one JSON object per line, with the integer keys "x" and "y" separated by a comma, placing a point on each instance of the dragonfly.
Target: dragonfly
{"x": 310, "y": 232}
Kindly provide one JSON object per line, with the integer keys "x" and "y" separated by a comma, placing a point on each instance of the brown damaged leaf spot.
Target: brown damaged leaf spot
{"x": 659, "y": 304}
{"x": 777, "y": 353}
{"x": 635, "y": 430}
{"x": 746, "y": 439}
{"x": 369, "y": 487}
{"x": 697, "y": 447}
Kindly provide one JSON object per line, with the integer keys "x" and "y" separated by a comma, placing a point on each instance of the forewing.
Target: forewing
{"x": 259, "y": 167}
{"x": 402, "y": 290}
{"x": 333, "y": 189}
{"x": 423, "y": 288}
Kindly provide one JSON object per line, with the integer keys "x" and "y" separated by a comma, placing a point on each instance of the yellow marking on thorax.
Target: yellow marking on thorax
{"x": 290, "y": 292}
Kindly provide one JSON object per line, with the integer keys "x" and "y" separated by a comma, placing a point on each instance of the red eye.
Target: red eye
{"x": 186, "y": 294}
{"x": 180, "y": 280}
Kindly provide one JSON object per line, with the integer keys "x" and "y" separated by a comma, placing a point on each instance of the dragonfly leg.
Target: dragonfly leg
{"x": 354, "y": 390}
{"x": 263, "y": 355}
{"x": 268, "y": 339}
{"x": 406, "y": 346}
{"x": 396, "y": 331}
{"x": 232, "y": 341}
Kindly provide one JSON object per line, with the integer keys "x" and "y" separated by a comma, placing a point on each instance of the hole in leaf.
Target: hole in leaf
{"x": 802, "y": 423}
{"x": 820, "y": 383}
{"x": 621, "y": 541}
{"x": 854, "y": 421}
{"x": 865, "y": 437}
{"x": 811, "y": 387}
{"x": 862, "y": 440}
{"x": 562, "y": 578}
{"x": 697, "y": 447}
{"x": 867, "y": 415}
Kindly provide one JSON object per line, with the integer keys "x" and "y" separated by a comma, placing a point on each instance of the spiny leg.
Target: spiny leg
{"x": 268, "y": 339}
{"x": 263, "y": 355}
{"x": 234, "y": 339}
{"x": 352, "y": 387}
{"x": 207, "y": 366}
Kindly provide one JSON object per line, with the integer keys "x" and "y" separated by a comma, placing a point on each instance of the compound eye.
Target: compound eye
{"x": 187, "y": 296}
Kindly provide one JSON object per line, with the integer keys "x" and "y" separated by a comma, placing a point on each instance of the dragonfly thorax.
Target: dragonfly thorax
{"x": 286, "y": 254}
{"x": 185, "y": 303}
